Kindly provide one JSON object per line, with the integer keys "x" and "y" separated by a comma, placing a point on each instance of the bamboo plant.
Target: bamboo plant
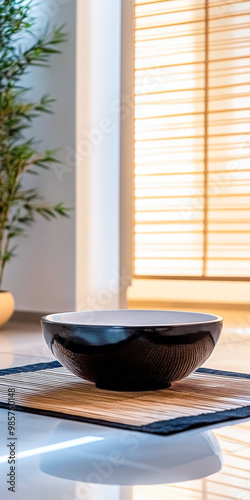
{"x": 19, "y": 151}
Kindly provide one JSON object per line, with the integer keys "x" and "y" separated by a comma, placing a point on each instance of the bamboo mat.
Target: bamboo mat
{"x": 206, "y": 396}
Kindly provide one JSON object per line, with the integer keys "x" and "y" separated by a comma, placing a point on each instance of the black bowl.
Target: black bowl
{"x": 131, "y": 350}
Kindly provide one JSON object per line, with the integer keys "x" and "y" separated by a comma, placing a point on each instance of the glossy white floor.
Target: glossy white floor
{"x": 66, "y": 460}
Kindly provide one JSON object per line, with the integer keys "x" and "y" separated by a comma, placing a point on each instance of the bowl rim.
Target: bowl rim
{"x": 46, "y": 319}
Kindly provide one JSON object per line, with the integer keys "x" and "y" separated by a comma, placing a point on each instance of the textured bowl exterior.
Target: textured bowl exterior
{"x": 126, "y": 358}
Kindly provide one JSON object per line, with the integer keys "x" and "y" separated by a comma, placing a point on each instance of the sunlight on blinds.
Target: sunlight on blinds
{"x": 192, "y": 142}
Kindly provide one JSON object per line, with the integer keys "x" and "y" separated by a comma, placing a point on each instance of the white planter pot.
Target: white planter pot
{"x": 7, "y": 305}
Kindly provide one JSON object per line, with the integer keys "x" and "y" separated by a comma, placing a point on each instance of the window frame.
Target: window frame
{"x": 155, "y": 289}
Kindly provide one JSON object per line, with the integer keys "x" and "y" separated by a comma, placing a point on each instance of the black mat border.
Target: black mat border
{"x": 30, "y": 368}
{"x": 55, "y": 364}
{"x": 162, "y": 427}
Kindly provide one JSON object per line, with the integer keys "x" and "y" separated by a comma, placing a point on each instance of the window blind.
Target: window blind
{"x": 192, "y": 142}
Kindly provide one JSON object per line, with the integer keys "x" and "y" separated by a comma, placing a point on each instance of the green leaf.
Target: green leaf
{"x": 8, "y": 254}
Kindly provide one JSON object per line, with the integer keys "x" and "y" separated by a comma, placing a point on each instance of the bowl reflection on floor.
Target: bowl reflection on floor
{"x": 131, "y": 458}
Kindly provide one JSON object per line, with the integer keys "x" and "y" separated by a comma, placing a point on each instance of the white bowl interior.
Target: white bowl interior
{"x": 128, "y": 317}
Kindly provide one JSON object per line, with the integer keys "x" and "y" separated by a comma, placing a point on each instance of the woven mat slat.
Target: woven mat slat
{"x": 202, "y": 397}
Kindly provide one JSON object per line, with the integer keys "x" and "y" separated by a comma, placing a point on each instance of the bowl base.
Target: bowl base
{"x": 134, "y": 388}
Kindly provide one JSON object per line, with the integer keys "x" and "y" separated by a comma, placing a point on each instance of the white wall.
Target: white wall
{"x": 98, "y": 150}
{"x": 74, "y": 263}
{"x": 42, "y": 276}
